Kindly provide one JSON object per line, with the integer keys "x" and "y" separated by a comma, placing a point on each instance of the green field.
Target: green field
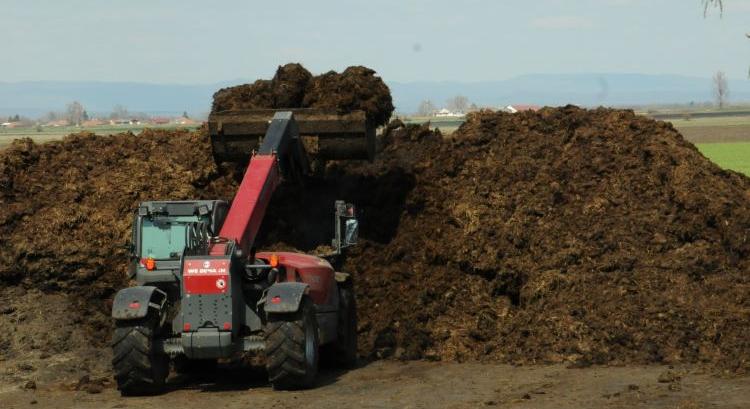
{"x": 734, "y": 156}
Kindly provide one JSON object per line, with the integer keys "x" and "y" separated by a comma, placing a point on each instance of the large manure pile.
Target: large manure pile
{"x": 566, "y": 235}
{"x": 66, "y": 207}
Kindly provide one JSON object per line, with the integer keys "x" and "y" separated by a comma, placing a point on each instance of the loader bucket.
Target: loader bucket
{"x": 327, "y": 135}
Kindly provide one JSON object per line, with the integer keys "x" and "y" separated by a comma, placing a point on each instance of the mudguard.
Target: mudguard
{"x": 133, "y": 302}
{"x": 285, "y": 297}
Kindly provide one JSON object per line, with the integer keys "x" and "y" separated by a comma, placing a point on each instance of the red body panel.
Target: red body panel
{"x": 206, "y": 276}
{"x": 249, "y": 205}
{"x": 314, "y": 271}
{"x": 241, "y": 225}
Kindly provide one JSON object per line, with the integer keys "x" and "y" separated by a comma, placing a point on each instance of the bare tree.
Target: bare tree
{"x": 50, "y": 116}
{"x": 721, "y": 89}
{"x": 426, "y": 108}
{"x": 119, "y": 112}
{"x": 74, "y": 112}
{"x": 459, "y": 103}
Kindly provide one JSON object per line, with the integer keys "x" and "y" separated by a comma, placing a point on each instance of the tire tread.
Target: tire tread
{"x": 285, "y": 349}
{"x": 137, "y": 370}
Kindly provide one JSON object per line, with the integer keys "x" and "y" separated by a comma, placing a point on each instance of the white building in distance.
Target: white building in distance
{"x": 446, "y": 113}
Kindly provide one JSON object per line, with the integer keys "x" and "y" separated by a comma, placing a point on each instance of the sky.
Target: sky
{"x": 204, "y": 42}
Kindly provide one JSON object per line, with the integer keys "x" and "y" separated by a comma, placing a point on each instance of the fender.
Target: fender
{"x": 285, "y": 297}
{"x": 134, "y": 302}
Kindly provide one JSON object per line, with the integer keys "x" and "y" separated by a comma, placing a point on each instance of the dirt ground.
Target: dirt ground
{"x": 38, "y": 370}
{"x": 389, "y": 384}
{"x": 715, "y": 134}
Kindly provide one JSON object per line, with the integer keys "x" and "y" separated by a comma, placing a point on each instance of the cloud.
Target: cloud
{"x": 562, "y": 23}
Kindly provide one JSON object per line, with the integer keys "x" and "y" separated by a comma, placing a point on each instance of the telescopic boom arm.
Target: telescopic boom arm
{"x": 280, "y": 152}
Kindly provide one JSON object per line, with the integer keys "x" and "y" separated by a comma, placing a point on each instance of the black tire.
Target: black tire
{"x": 139, "y": 370}
{"x": 344, "y": 350}
{"x": 291, "y": 348}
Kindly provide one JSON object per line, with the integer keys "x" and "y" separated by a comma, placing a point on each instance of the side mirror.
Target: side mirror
{"x": 351, "y": 231}
{"x": 345, "y": 219}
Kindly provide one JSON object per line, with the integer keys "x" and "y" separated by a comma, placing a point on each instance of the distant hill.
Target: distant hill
{"x": 38, "y": 97}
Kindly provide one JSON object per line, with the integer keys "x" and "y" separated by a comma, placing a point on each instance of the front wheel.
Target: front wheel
{"x": 291, "y": 348}
{"x": 139, "y": 368}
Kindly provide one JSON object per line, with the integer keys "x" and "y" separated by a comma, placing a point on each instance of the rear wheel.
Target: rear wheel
{"x": 291, "y": 348}
{"x": 343, "y": 351}
{"x": 139, "y": 369}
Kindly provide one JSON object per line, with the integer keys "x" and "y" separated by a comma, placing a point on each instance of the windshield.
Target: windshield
{"x": 164, "y": 237}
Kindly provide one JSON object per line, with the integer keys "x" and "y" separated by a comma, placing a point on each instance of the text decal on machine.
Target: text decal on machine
{"x": 206, "y": 276}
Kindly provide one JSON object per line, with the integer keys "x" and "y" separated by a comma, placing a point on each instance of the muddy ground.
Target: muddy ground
{"x": 42, "y": 370}
{"x": 387, "y": 384}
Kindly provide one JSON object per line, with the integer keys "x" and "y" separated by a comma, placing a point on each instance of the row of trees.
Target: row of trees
{"x": 75, "y": 113}
{"x": 459, "y": 103}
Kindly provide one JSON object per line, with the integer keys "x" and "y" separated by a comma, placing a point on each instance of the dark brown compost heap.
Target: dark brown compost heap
{"x": 560, "y": 236}
{"x": 66, "y": 207}
{"x": 357, "y": 88}
{"x": 285, "y": 90}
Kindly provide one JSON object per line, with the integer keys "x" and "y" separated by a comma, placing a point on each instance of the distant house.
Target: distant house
{"x": 446, "y": 113}
{"x": 57, "y": 123}
{"x": 124, "y": 122}
{"x": 520, "y": 108}
{"x": 159, "y": 120}
{"x": 93, "y": 122}
{"x": 186, "y": 121}
{"x": 6, "y": 124}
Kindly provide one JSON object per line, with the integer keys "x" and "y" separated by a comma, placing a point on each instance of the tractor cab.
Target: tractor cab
{"x": 162, "y": 231}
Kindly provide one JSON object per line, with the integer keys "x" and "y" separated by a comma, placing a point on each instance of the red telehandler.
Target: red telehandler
{"x": 204, "y": 295}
